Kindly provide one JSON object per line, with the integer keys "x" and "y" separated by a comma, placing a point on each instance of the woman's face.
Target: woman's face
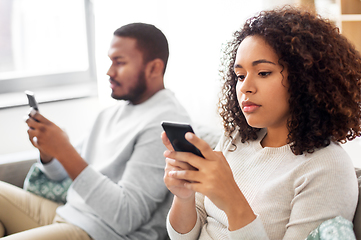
{"x": 262, "y": 85}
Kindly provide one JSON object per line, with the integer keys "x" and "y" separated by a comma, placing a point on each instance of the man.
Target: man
{"x": 117, "y": 190}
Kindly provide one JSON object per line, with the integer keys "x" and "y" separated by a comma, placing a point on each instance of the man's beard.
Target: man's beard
{"x": 136, "y": 92}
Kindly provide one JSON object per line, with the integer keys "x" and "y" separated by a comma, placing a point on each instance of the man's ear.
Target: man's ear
{"x": 155, "y": 68}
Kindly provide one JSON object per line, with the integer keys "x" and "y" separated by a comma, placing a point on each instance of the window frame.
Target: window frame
{"x": 54, "y": 81}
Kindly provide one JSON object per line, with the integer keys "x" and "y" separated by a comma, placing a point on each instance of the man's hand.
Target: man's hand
{"x": 52, "y": 141}
{"x": 46, "y": 136}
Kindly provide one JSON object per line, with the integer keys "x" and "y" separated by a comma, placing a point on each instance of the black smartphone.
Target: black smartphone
{"x": 32, "y": 101}
{"x": 175, "y": 133}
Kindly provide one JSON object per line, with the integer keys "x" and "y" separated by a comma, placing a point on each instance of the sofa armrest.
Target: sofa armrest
{"x": 14, "y": 167}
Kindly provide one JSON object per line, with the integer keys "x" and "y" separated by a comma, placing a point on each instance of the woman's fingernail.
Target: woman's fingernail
{"x": 32, "y": 112}
{"x": 172, "y": 173}
{"x": 189, "y": 135}
{"x": 26, "y": 117}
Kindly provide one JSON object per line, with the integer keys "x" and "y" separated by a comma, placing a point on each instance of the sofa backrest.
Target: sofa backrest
{"x": 357, "y": 217}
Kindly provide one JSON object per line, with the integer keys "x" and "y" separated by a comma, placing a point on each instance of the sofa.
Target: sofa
{"x": 357, "y": 217}
{"x": 15, "y": 172}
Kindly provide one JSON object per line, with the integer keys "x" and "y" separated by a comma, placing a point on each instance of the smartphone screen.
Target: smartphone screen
{"x": 176, "y": 135}
{"x": 31, "y": 98}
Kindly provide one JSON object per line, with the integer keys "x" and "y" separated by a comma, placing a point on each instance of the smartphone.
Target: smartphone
{"x": 175, "y": 133}
{"x": 32, "y": 101}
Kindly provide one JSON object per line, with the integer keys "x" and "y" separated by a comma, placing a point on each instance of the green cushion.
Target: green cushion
{"x": 335, "y": 228}
{"x": 38, "y": 183}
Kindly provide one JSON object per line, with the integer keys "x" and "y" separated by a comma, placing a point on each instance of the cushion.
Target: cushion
{"x": 335, "y": 228}
{"x": 38, "y": 183}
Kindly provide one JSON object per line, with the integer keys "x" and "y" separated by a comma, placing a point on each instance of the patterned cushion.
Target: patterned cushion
{"x": 38, "y": 183}
{"x": 335, "y": 229}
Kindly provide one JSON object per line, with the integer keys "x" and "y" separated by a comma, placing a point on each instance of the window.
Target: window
{"x": 45, "y": 44}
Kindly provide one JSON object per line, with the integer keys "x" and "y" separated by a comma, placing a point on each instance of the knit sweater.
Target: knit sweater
{"x": 290, "y": 194}
{"x": 121, "y": 194}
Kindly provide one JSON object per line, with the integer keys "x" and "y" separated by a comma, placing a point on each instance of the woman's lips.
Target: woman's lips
{"x": 249, "y": 107}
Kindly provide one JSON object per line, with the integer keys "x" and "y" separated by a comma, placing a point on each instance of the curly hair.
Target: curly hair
{"x": 324, "y": 75}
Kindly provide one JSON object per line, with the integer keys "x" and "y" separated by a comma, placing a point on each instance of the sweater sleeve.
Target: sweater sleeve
{"x": 193, "y": 234}
{"x": 54, "y": 170}
{"x": 253, "y": 230}
{"x": 128, "y": 204}
{"x": 322, "y": 193}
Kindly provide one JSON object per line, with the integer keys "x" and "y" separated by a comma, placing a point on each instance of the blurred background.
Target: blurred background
{"x": 58, "y": 49}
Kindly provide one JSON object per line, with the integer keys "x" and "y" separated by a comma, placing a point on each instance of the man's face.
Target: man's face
{"x": 127, "y": 77}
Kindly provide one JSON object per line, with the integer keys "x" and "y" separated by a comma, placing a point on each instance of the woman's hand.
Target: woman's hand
{"x": 175, "y": 185}
{"x": 183, "y": 214}
{"x": 214, "y": 179}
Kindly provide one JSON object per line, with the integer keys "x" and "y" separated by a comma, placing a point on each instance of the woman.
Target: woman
{"x": 291, "y": 93}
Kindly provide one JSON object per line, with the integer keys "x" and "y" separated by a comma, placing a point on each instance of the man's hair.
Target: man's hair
{"x": 150, "y": 41}
{"x": 324, "y": 77}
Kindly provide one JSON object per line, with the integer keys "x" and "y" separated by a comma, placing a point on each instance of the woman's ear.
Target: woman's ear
{"x": 155, "y": 68}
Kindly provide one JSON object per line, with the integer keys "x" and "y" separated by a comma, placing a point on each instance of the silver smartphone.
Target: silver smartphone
{"x": 32, "y": 101}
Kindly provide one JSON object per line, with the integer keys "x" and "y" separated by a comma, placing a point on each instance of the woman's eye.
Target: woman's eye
{"x": 264, "y": 74}
{"x": 240, "y": 78}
